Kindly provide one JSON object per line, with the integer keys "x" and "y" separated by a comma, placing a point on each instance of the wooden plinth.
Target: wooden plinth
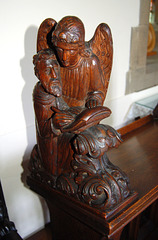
{"x": 72, "y": 219}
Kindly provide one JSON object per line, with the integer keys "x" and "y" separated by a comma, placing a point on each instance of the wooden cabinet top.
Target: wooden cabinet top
{"x": 137, "y": 156}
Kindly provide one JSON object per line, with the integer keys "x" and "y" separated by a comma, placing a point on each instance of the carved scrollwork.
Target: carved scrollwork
{"x": 66, "y": 184}
{"x": 84, "y": 164}
{"x": 86, "y": 143}
{"x": 95, "y": 191}
{"x": 37, "y": 169}
{"x": 95, "y": 181}
{"x": 96, "y": 140}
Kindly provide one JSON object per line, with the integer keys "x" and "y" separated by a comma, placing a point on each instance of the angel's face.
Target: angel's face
{"x": 67, "y": 56}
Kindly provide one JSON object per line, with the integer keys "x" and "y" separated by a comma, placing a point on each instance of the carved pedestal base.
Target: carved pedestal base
{"x": 88, "y": 191}
{"x": 71, "y": 219}
{"x": 86, "y": 174}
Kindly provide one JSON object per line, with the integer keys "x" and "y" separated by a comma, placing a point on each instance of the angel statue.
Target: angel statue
{"x": 70, "y": 154}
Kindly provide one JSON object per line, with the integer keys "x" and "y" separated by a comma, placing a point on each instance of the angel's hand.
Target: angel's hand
{"x": 92, "y": 103}
{"x": 62, "y": 119}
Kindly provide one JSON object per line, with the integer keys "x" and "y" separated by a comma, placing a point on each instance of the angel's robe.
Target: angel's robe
{"x": 83, "y": 82}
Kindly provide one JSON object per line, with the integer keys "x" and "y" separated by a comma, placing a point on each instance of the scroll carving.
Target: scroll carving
{"x": 70, "y": 154}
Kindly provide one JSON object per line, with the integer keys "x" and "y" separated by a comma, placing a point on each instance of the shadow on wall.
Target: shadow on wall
{"x": 27, "y": 70}
{"x": 30, "y": 80}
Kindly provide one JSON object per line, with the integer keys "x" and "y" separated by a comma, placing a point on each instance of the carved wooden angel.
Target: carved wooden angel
{"x": 85, "y": 67}
{"x": 71, "y": 144}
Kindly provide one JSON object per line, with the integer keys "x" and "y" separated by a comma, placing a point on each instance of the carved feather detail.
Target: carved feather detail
{"x": 102, "y": 46}
{"x": 45, "y": 30}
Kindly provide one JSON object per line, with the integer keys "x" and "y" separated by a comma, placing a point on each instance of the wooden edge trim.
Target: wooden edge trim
{"x": 133, "y": 211}
{"x": 135, "y": 125}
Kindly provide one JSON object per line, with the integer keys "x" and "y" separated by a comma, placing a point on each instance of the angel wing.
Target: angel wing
{"x": 102, "y": 46}
{"x": 44, "y": 34}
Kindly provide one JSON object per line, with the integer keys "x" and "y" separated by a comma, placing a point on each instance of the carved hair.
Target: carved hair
{"x": 44, "y": 55}
{"x": 70, "y": 29}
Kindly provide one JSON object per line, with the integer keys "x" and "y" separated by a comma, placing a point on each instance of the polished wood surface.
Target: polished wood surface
{"x": 138, "y": 157}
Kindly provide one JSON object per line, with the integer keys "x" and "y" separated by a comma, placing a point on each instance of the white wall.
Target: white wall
{"x": 19, "y": 22}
